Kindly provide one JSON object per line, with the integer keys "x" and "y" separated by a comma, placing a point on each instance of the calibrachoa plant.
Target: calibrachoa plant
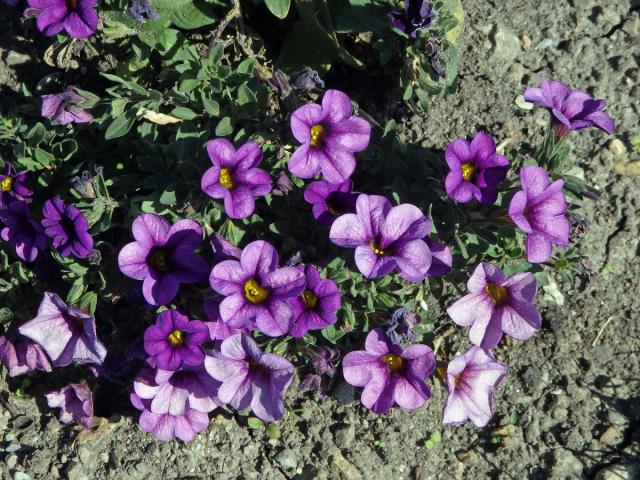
{"x": 203, "y": 234}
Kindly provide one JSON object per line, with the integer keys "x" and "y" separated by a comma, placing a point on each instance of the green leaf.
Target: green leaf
{"x": 193, "y": 15}
{"x": 255, "y": 423}
{"x": 184, "y": 113}
{"x": 211, "y": 107}
{"x": 224, "y": 127}
{"x": 280, "y": 8}
{"x": 272, "y": 431}
{"x": 120, "y": 125}
{"x": 246, "y": 95}
{"x": 36, "y": 135}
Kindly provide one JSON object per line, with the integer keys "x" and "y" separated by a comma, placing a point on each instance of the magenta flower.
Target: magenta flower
{"x": 476, "y": 169}
{"x": 250, "y": 378}
{"x": 175, "y": 340}
{"x": 21, "y": 232}
{"x": 540, "y": 210}
{"x": 64, "y": 108}
{"x": 256, "y": 290}
{"x": 234, "y": 176}
{"x": 330, "y": 200}
{"x": 75, "y": 402}
{"x": 329, "y": 135}
{"x": 77, "y": 17}
{"x": 570, "y": 109}
{"x": 389, "y": 373}
{"x": 65, "y": 334}
{"x": 13, "y": 186}
{"x": 162, "y": 255}
{"x": 315, "y": 308}
{"x": 386, "y": 238}
{"x": 218, "y": 329}
{"x": 497, "y": 305}
{"x": 471, "y": 380}
{"x": 67, "y": 227}
{"x": 21, "y": 354}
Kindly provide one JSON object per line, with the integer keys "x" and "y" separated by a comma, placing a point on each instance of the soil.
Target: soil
{"x": 570, "y": 407}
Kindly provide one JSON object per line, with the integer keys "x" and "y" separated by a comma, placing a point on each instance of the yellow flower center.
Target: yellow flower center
{"x": 498, "y": 293}
{"x": 394, "y": 362}
{"x": 254, "y": 292}
{"x": 468, "y": 171}
{"x": 376, "y": 249}
{"x": 317, "y": 132}
{"x": 310, "y": 300}
{"x": 176, "y": 338}
{"x": 225, "y": 179}
{"x": 7, "y": 184}
{"x": 159, "y": 260}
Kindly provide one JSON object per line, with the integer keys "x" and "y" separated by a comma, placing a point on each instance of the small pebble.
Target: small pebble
{"x": 21, "y": 476}
{"x": 616, "y": 147}
{"x": 11, "y": 461}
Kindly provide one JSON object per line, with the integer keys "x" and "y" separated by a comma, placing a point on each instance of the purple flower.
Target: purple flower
{"x": 21, "y": 355}
{"x": 250, "y": 378}
{"x": 471, "y": 380}
{"x": 315, "y": 308}
{"x": 386, "y": 238}
{"x": 539, "y": 210}
{"x": 66, "y": 334}
{"x": 497, "y": 304}
{"x": 77, "y": 17}
{"x": 417, "y": 15}
{"x": 389, "y": 373}
{"x": 142, "y": 11}
{"x": 329, "y": 135}
{"x": 476, "y": 169}
{"x": 11, "y": 3}
{"x": 441, "y": 258}
{"x": 21, "y": 232}
{"x": 13, "y": 186}
{"x": 223, "y": 250}
{"x": 175, "y": 341}
{"x": 330, "y": 200}
{"x": 63, "y": 108}
{"x": 256, "y": 290}
{"x": 218, "y": 329}
{"x": 67, "y": 227}
{"x": 162, "y": 255}
{"x": 570, "y": 109}
{"x": 234, "y": 176}
{"x": 75, "y": 402}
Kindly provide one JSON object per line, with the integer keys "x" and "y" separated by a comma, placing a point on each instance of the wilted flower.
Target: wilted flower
{"x": 67, "y": 227}
{"x": 579, "y": 226}
{"x": 434, "y": 52}
{"x": 476, "y": 169}
{"x": 417, "y": 15}
{"x": 21, "y": 232}
{"x": 570, "y": 109}
{"x": 142, "y": 11}
{"x": 322, "y": 359}
{"x": 329, "y": 135}
{"x": 497, "y": 305}
{"x": 75, "y": 402}
{"x": 162, "y": 255}
{"x": 256, "y": 290}
{"x": 283, "y": 185}
{"x": 175, "y": 340}
{"x": 85, "y": 185}
{"x": 441, "y": 258}
{"x": 471, "y": 380}
{"x": 389, "y": 373}
{"x": 315, "y": 308}
{"x": 539, "y": 210}
{"x": 13, "y": 186}
{"x": 64, "y": 108}
{"x": 399, "y": 327}
{"x": 307, "y": 79}
{"x": 77, "y": 17}
{"x": 330, "y": 200}
{"x": 65, "y": 334}
{"x": 386, "y": 238}
{"x": 234, "y": 176}
{"x": 250, "y": 378}
{"x": 21, "y": 354}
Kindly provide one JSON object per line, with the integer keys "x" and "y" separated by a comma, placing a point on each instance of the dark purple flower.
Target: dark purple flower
{"x": 540, "y": 210}
{"x": 234, "y": 176}
{"x": 307, "y": 80}
{"x": 386, "y": 238}
{"x": 497, "y": 305}
{"x": 471, "y": 380}
{"x": 68, "y": 228}
{"x": 389, "y": 373}
{"x": 330, "y": 200}
{"x": 570, "y": 109}
{"x": 11, "y": 3}
{"x": 77, "y": 17}
{"x": 13, "y": 186}
{"x": 75, "y": 402}
{"x": 315, "y": 308}
{"x": 476, "y": 169}
{"x": 64, "y": 108}
{"x": 162, "y": 255}
{"x": 223, "y": 250}
{"x": 86, "y": 184}
{"x": 21, "y": 354}
{"x": 329, "y": 135}
{"x": 21, "y": 232}
{"x": 218, "y": 329}
{"x": 399, "y": 327}
{"x": 417, "y": 15}
{"x": 256, "y": 290}
{"x": 250, "y": 378}
{"x": 441, "y": 258}
{"x": 66, "y": 334}
{"x": 142, "y": 11}
{"x": 175, "y": 340}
